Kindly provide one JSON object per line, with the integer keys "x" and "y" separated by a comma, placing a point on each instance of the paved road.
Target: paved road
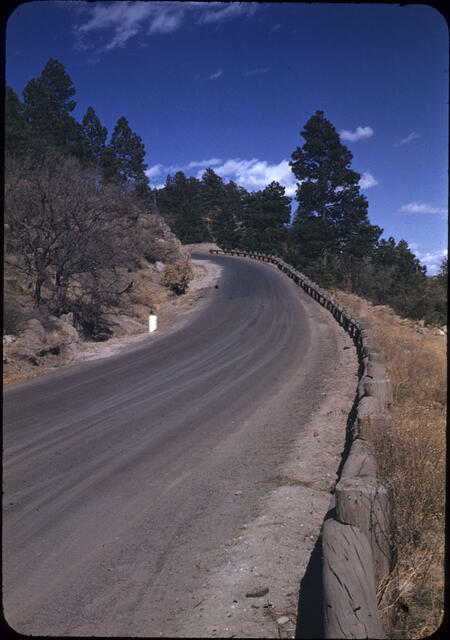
{"x": 124, "y": 478}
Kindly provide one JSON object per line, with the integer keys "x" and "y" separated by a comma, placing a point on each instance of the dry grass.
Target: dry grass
{"x": 412, "y": 456}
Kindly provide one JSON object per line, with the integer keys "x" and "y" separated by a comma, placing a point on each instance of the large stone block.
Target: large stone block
{"x": 365, "y": 502}
{"x": 349, "y": 593}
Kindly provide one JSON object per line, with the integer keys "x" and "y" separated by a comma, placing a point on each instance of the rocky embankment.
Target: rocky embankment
{"x": 45, "y": 342}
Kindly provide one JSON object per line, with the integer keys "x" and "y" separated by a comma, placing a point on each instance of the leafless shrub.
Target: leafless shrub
{"x": 66, "y": 231}
{"x": 176, "y": 276}
{"x": 73, "y": 239}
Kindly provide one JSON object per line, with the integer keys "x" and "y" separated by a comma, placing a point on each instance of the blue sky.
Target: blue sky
{"x": 231, "y": 85}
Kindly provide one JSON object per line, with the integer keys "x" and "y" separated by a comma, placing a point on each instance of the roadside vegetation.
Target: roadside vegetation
{"x": 51, "y": 159}
{"x": 85, "y": 247}
{"x": 329, "y": 237}
{"x": 412, "y": 455}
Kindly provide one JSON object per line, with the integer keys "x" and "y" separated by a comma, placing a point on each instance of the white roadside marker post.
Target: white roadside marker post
{"x": 152, "y": 321}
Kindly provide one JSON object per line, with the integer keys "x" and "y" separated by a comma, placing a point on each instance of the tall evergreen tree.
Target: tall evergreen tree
{"x": 94, "y": 137}
{"x": 180, "y": 204}
{"x": 218, "y": 211}
{"x": 443, "y": 273}
{"x": 399, "y": 279}
{"x": 275, "y": 215}
{"x": 438, "y": 295}
{"x": 224, "y": 228}
{"x": 48, "y": 104}
{"x": 331, "y": 211}
{"x": 265, "y": 215}
{"x": 213, "y": 196}
{"x": 129, "y": 151}
{"x": 213, "y": 190}
{"x": 236, "y": 199}
{"x": 15, "y": 123}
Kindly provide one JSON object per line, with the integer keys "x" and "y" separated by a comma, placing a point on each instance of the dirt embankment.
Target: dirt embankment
{"x": 46, "y": 342}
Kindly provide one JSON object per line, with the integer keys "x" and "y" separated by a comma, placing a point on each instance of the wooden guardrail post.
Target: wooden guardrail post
{"x": 347, "y": 560}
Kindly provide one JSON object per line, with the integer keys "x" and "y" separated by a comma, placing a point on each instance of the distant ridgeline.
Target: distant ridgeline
{"x": 329, "y": 238}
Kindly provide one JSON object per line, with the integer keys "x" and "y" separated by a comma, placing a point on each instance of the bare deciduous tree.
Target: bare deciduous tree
{"x": 64, "y": 227}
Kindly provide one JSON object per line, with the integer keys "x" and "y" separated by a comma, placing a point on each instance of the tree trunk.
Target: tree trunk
{"x": 60, "y": 293}
{"x": 40, "y": 279}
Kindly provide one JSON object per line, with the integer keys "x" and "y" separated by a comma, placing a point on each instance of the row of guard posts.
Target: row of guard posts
{"x": 356, "y": 534}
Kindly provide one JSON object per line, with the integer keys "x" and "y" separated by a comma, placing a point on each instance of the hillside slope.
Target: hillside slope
{"x": 35, "y": 340}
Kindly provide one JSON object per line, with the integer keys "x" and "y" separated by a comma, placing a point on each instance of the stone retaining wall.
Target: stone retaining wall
{"x": 356, "y": 535}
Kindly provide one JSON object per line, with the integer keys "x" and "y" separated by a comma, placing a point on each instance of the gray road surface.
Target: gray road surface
{"x": 125, "y": 478}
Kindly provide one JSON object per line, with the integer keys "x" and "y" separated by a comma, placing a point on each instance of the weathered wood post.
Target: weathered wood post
{"x": 350, "y": 602}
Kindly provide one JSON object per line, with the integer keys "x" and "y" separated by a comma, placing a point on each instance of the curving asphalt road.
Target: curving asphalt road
{"x": 124, "y": 478}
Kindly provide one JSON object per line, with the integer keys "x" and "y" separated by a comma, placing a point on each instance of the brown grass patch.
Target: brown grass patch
{"x": 412, "y": 456}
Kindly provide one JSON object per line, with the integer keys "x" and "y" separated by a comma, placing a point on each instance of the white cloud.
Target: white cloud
{"x": 154, "y": 171}
{"x": 213, "y": 76}
{"x": 367, "y": 180}
{"x": 255, "y": 72}
{"x": 166, "y": 22}
{"x": 421, "y": 207}
{"x": 212, "y": 162}
{"x": 122, "y": 19}
{"x": 256, "y": 174}
{"x": 216, "y": 75}
{"x": 360, "y": 134}
{"x": 161, "y": 171}
{"x": 409, "y": 138}
{"x": 219, "y": 11}
{"x": 252, "y": 174}
{"x": 432, "y": 261}
{"x": 118, "y": 22}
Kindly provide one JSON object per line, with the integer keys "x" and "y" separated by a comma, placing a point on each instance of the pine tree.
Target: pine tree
{"x": 250, "y": 222}
{"x": 331, "y": 219}
{"x": 212, "y": 196}
{"x": 217, "y": 210}
{"x": 47, "y": 107}
{"x": 275, "y": 214}
{"x": 94, "y": 137}
{"x": 224, "y": 228}
{"x": 443, "y": 273}
{"x": 213, "y": 190}
{"x": 437, "y": 295}
{"x": 393, "y": 275}
{"x": 15, "y": 123}
{"x": 265, "y": 215}
{"x": 236, "y": 198}
{"x": 110, "y": 165}
{"x": 129, "y": 151}
{"x": 180, "y": 204}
